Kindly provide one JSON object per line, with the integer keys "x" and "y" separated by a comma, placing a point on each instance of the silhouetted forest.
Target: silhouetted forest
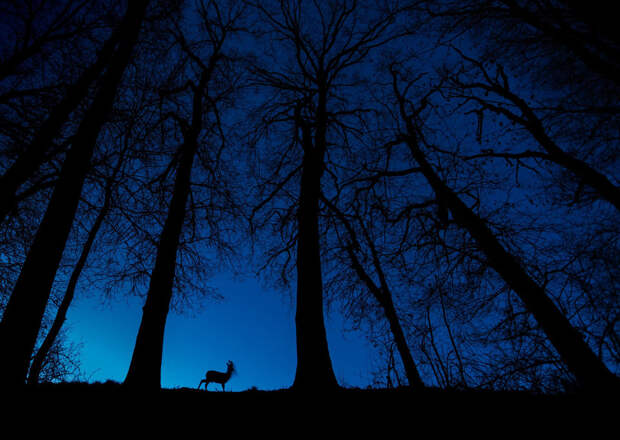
{"x": 445, "y": 173}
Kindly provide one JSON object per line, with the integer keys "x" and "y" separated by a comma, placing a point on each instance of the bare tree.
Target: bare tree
{"x": 211, "y": 87}
{"x": 37, "y": 29}
{"x": 547, "y": 68}
{"x": 22, "y": 316}
{"x": 43, "y": 352}
{"x": 589, "y": 370}
{"x": 380, "y": 290}
{"x": 586, "y": 35}
{"x": 493, "y": 93}
{"x": 65, "y": 25}
{"x": 324, "y": 46}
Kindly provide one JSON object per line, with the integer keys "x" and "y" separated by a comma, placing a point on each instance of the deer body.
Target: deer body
{"x": 218, "y": 376}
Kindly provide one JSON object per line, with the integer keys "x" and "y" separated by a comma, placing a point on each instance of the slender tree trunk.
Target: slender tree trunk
{"x": 413, "y": 376}
{"x": 314, "y": 366}
{"x": 452, "y": 341}
{"x": 34, "y": 154}
{"x": 385, "y": 301}
{"x": 588, "y": 369}
{"x": 145, "y": 368}
{"x": 383, "y": 296}
{"x": 61, "y": 314}
{"x": 22, "y": 317}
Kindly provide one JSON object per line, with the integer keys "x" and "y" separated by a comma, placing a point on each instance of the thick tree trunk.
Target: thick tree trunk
{"x": 22, "y": 317}
{"x": 589, "y": 370}
{"x": 145, "y": 368}
{"x": 314, "y": 365}
{"x": 35, "y": 152}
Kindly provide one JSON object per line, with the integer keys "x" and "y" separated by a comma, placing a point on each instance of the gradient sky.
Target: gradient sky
{"x": 252, "y": 326}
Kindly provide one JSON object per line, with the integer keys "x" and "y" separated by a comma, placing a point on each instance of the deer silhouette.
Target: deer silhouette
{"x": 218, "y": 376}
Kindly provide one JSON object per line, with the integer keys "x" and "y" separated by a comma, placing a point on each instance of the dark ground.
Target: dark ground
{"x": 105, "y": 406}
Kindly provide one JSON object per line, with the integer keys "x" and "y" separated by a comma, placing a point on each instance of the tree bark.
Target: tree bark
{"x": 314, "y": 366}
{"x": 22, "y": 317}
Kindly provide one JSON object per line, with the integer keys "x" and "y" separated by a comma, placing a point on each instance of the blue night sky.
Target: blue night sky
{"x": 252, "y": 326}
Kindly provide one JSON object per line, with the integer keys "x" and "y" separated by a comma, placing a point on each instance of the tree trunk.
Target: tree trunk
{"x": 383, "y": 296}
{"x": 413, "y": 376}
{"x": 145, "y": 368}
{"x": 61, "y": 314}
{"x": 314, "y": 366}
{"x": 22, "y": 317}
{"x": 385, "y": 300}
{"x": 34, "y": 154}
